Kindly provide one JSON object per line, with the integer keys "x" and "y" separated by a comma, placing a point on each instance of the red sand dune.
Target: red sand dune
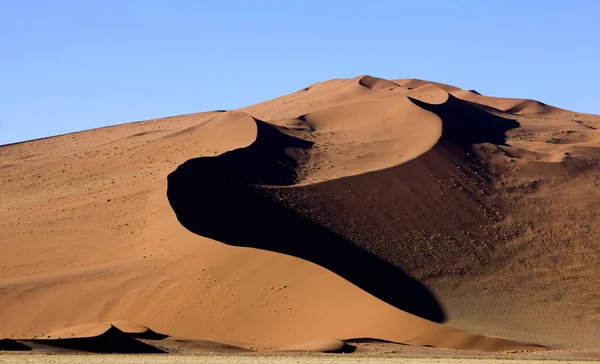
{"x": 407, "y": 211}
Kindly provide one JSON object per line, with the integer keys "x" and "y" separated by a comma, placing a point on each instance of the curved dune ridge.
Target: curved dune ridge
{"x": 394, "y": 210}
{"x": 375, "y": 83}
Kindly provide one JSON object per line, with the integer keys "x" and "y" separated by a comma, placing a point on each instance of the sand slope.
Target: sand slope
{"x": 396, "y": 210}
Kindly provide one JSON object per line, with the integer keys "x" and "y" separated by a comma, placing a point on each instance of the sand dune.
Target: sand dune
{"x": 97, "y": 338}
{"x": 98, "y": 329}
{"x": 407, "y": 211}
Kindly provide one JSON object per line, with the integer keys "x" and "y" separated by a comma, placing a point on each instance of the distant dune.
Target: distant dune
{"x": 403, "y": 211}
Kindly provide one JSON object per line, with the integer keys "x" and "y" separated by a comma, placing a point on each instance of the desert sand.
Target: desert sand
{"x": 230, "y": 359}
{"x": 218, "y": 359}
{"x": 404, "y": 211}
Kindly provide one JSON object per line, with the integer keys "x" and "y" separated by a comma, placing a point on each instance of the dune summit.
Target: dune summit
{"x": 405, "y": 211}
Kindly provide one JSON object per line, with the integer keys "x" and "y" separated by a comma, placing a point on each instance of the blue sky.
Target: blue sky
{"x": 74, "y": 65}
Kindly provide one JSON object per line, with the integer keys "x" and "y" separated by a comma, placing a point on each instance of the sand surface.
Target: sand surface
{"x": 405, "y": 210}
{"x": 218, "y": 359}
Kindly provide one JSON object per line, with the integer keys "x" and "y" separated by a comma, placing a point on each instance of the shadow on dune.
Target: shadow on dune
{"x": 228, "y": 198}
{"x": 149, "y": 335}
{"x": 233, "y": 198}
{"x": 465, "y": 123}
{"x": 111, "y": 341}
{"x": 370, "y": 340}
{"x": 13, "y": 345}
{"x": 345, "y": 349}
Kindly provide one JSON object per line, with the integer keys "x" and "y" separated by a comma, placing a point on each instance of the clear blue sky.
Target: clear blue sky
{"x": 73, "y": 65}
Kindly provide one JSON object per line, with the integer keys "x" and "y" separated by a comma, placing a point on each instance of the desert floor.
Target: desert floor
{"x": 240, "y": 359}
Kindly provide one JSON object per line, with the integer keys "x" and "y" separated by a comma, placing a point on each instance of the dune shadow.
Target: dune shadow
{"x": 112, "y": 341}
{"x": 345, "y": 349}
{"x": 232, "y": 198}
{"x": 149, "y": 335}
{"x": 465, "y": 123}
{"x": 370, "y": 340}
{"x": 13, "y": 345}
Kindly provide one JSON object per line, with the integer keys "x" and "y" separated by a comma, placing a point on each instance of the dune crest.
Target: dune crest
{"x": 375, "y": 83}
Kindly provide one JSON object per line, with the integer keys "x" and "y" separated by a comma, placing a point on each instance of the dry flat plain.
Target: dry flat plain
{"x": 240, "y": 359}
